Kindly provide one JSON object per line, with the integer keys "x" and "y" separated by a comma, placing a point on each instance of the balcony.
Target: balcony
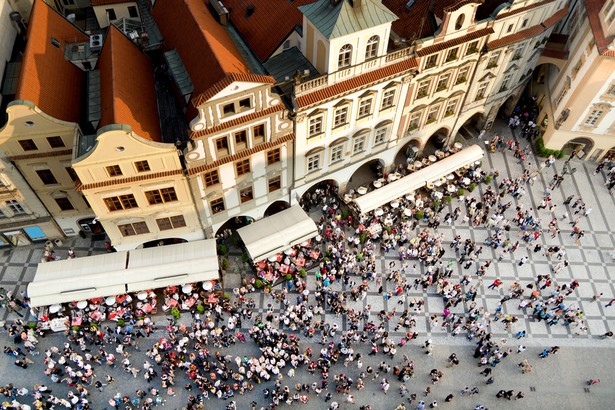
{"x": 556, "y": 47}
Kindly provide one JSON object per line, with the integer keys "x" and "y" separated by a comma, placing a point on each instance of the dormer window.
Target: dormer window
{"x": 245, "y": 104}
{"x": 345, "y": 56}
{"x": 371, "y": 51}
{"x": 228, "y": 109}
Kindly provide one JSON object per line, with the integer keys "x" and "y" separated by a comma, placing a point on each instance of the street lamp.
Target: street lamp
{"x": 567, "y": 169}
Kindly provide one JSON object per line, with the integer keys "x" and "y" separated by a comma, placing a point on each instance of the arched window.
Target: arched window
{"x": 459, "y": 22}
{"x": 371, "y": 51}
{"x": 345, "y": 56}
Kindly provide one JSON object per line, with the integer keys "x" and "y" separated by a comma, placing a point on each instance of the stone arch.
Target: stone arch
{"x": 366, "y": 173}
{"x": 330, "y": 185}
{"x": 437, "y": 140}
{"x": 276, "y": 207}
{"x": 162, "y": 242}
{"x": 584, "y": 144}
{"x": 407, "y": 152}
{"x": 229, "y": 228}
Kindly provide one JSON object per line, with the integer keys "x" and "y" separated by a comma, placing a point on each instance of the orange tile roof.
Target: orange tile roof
{"x": 593, "y": 8}
{"x": 106, "y": 2}
{"x": 269, "y": 25}
{"x": 42, "y": 155}
{"x": 127, "y": 93}
{"x": 120, "y": 181}
{"x": 205, "y": 47}
{"x": 53, "y": 84}
{"x": 454, "y": 42}
{"x": 237, "y": 121}
{"x": 355, "y": 83}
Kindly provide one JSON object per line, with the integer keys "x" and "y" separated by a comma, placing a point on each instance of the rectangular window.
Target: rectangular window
{"x": 122, "y": 202}
{"x": 114, "y": 171}
{"x": 493, "y": 60}
{"x": 432, "y": 114}
{"x": 246, "y": 195}
{"x": 611, "y": 90}
{"x": 431, "y": 61}
{"x": 71, "y": 173}
{"x": 15, "y": 207}
{"x": 135, "y": 228}
{"x": 358, "y": 145}
{"x": 275, "y": 183}
{"x": 365, "y": 107}
{"x": 161, "y": 196}
{"x": 241, "y": 137}
{"x": 259, "y": 133}
{"x": 381, "y": 135}
{"x": 315, "y": 126}
{"x": 505, "y": 82}
{"x": 443, "y": 82}
{"x": 142, "y": 166}
{"x": 452, "y": 55}
{"x": 337, "y": 152}
{"x": 415, "y": 121}
{"x": 132, "y": 12}
{"x": 462, "y": 75}
{"x": 313, "y": 163}
{"x": 340, "y": 117}
{"x": 222, "y": 144}
{"x": 518, "y": 51}
{"x": 388, "y": 98}
{"x": 423, "y": 89}
{"x": 28, "y": 145}
{"x": 593, "y": 117}
{"x": 472, "y": 48}
{"x": 480, "y": 94}
{"x": 47, "y": 177}
{"x": 55, "y": 142}
{"x": 510, "y": 28}
{"x": 228, "y": 109}
{"x": 64, "y": 204}
{"x": 217, "y": 205}
{"x": 273, "y": 156}
{"x": 245, "y": 104}
{"x": 211, "y": 178}
{"x": 451, "y": 107}
{"x": 524, "y": 24}
{"x": 243, "y": 167}
{"x": 111, "y": 14}
{"x": 173, "y": 222}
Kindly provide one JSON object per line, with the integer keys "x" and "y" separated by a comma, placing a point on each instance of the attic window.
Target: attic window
{"x": 245, "y": 104}
{"x": 55, "y": 42}
{"x": 229, "y": 109}
{"x": 459, "y": 22}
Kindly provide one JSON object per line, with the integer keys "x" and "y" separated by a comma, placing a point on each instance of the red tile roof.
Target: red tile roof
{"x": 454, "y": 42}
{"x": 53, "y": 84}
{"x": 357, "y": 82}
{"x": 522, "y": 9}
{"x": 127, "y": 92}
{"x": 228, "y": 80}
{"x": 593, "y": 8}
{"x": 269, "y": 25}
{"x": 205, "y": 47}
{"x": 237, "y": 121}
{"x": 120, "y": 181}
{"x": 107, "y": 2}
{"x": 42, "y": 155}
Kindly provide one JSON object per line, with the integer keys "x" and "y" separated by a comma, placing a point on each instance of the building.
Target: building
{"x": 120, "y": 12}
{"x": 578, "y": 99}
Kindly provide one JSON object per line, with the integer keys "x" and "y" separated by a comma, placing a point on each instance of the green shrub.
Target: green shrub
{"x": 245, "y": 258}
{"x": 225, "y": 263}
{"x": 236, "y": 242}
{"x": 437, "y": 205}
{"x": 258, "y": 283}
{"x": 345, "y": 214}
{"x": 222, "y": 249}
{"x": 472, "y": 187}
{"x": 288, "y": 276}
{"x": 461, "y": 192}
{"x": 420, "y": 214}
{"x": 448, "y": 199}
{"x": 545, "y": 152}
{"x": 175, "y": 313}
{"x": 302, "y": 273}
{"x": 226, "y": 296}
{"x": 363, "y": 237}
{"x": 200, "y": 308}
{"x": 75, "y": 328}
{"x": 120, "y": 322}
{"x": 488, "y": 179}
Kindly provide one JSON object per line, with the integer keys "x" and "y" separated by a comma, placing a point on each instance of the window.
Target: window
{"x": 431, "y": 61}
{"x": 423, "y": 89}
{"x": 472, "y": 48}
{"x": 510, "y": 28}
{"x": 462, "y": 75}
{"x": 173, "y": 222}
{"x": 451, "y": 107}
{"x": 243, "y": 167}
{"x": 222, "y": 144}
{"x": 432, "y": 114}
{"x": 245, "y": 104}
{"x": 246, "y": 195}
{"x": 55, "y": 42}
{"x": 28, "y": 145}
{"x": 381, "y": 135}
{"x": 344, "y": 57}
{"x": 55, "y": 142}
{"x": 228, "y": 109}
{"x": 388, "y": 98}
{"x": 241, "y": 137}
{"x": 459, "y": 22}
{"x": 340, "y": 117}
{"x": 122, "y": 202}
{"x": 64, "y": 204}
{"x": 415, "y": 121}
{"x": 593, "y": 117}
{"x": 313, "y": 163}
{"x": 337, "y": 152}
{"x": 371, "y": 51}
{"x": 161, "y": 196}
{"x": 493, "y": 60}
{"x": 211, "y": 178}
{"x": 365, "y": 107}
{"x": 71, "y": 173}
{"x": 519, "y": 51}
{"x": 505, "y": 82}
{"x": 111, "y": 14}
{"x": 611, "y": 90}
{"x": 15, "y": 207}
{"x": 132, "y": 12}
{"x": 443, "y": 82}
{"x": 273, "y": 156}
{"x": 315, "y": 126}
{"x": 135, "y": 228}
{"x": 217, "y": 205}
{"x": 524, "y": 24}
{"x": 452, "y": 55}
{"x": 358, "y": 145}
{"x": 114, "y": 171}
{"x": 47, "y": 177}
{"x": 259, "y": 133}
{"x": 480, "y": 94}
{"x": 142, "y": 166}
{"x": 275, "y": 183}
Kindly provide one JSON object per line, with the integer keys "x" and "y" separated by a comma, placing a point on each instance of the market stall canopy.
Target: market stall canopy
{"x": 418, "y": 179}
{"x": 121, "y": 272}
{"x": 278, "y": 232}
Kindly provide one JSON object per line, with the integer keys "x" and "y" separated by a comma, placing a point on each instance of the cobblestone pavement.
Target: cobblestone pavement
{"x": 556, "y": 383}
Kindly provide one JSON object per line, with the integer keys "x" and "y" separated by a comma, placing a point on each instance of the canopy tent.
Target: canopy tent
{"x": 278, "y": 232}
{"x": 418, "y": 179}
{"x": 117, "y": 273}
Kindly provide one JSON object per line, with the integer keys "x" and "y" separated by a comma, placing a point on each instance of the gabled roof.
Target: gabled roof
{"x": 256, "y": 28}
{"x": 53, "y": 84}
{"x": 343, "y": 18}
{"x": 205, "y": 47}
{"x": 127, "y": 93}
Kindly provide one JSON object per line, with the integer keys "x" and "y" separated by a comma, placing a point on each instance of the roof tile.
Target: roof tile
{"x": 454, "y": 42}
{"x": 237, "y": 121}
{"x": 120, "y": 181}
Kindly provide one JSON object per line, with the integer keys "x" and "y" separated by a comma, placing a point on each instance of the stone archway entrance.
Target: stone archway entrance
{"x": 366, "y": 174}
{"x": 163, "y": 242}
{"x": 276, "y": 207}
{"x": 230, "y": 227}
{"x": 407, "y": 153}
{"x": 313, "y": 196}
{"x": 436, "y": 141}
{"x": 579, "y": 144}
{"x": 472, "y": 127}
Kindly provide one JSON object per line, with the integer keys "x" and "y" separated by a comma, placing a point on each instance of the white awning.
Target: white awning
{"x": 129, "y": 271}
{"x": 418, "y": 179}
{"x": 278, "y": 232}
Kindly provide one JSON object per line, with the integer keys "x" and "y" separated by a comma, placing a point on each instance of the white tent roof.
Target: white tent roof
{"x": 417, "y": 179}
{"x": 121, "y": 272}
{"x": 277, "y": 233}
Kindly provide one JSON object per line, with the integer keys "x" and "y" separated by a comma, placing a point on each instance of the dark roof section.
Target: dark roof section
{"x": 283, "y": 67}
{"x": 53, "y": 84}
{"x": 488, "y": 7}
